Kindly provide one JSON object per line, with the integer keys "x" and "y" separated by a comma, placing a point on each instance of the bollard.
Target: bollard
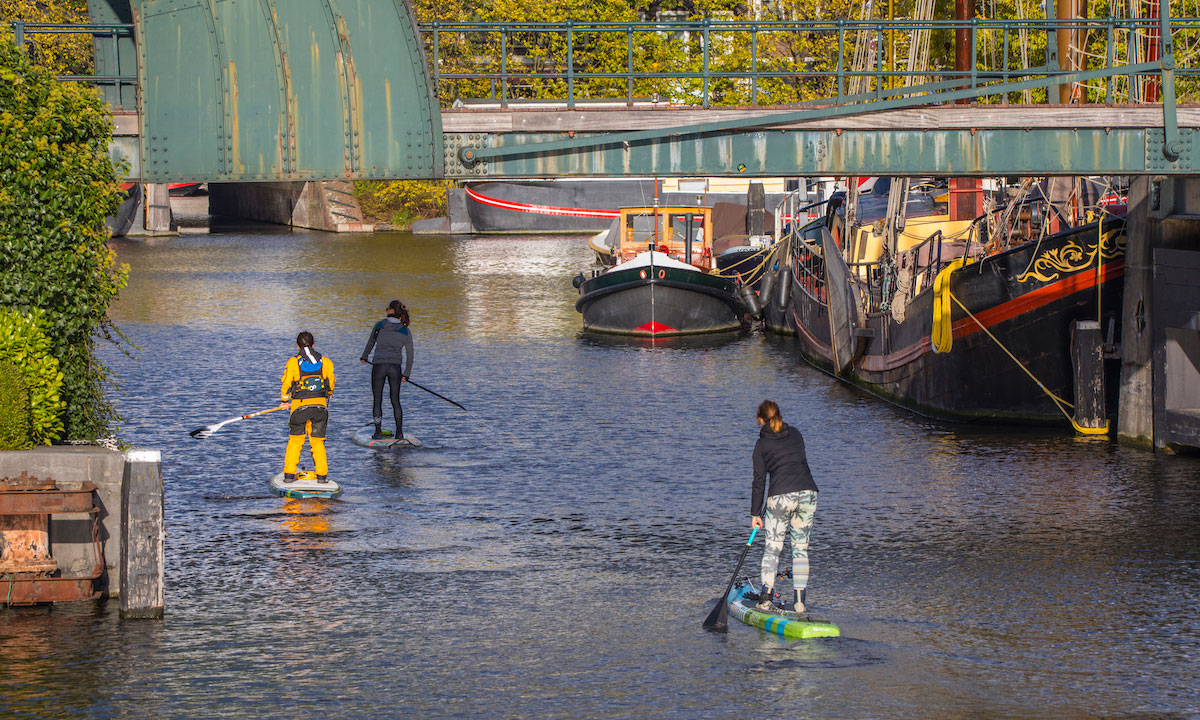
{"x": 142, "y": 558}
{"x": 1087, "y": 360}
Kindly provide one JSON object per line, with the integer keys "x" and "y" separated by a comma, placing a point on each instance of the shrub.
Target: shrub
{"x": 399, "y": 202}
{"x": 14, "y": 409}
{"x": 57, "y": 184}
{"x": 24, "y": 344}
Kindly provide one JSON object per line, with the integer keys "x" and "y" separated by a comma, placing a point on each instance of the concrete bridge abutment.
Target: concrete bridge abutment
{"x": 1160, "y": 334}
{"x": 329, "y": 205}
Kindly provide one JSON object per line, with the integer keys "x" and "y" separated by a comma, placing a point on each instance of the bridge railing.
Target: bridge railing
{"x": 734, "y": 62}
{"x": 25, "y": 36}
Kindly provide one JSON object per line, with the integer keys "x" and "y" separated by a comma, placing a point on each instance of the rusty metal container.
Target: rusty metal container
{"x": 28, "y": 572}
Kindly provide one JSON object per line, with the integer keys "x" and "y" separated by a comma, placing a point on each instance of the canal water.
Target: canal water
{"x": 553, "y": 551}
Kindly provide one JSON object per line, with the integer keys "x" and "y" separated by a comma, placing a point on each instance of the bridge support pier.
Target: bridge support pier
{"x": 329, "y": 206}
{"x": 1160, "y": 333}
{"x": 146, "y": 213}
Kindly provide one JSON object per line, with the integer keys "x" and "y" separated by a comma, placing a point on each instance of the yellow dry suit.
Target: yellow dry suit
{"x": 307, "y": 383}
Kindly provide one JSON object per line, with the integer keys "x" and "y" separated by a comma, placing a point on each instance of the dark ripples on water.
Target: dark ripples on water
{"x": 551, "y": 553}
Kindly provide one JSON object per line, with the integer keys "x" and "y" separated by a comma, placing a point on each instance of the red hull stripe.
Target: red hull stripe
{"x": 1037, "y": 298}
{"x": 540, "y": 209}
{"x": 966, "y": 326}
{"x": 654, "y": 327}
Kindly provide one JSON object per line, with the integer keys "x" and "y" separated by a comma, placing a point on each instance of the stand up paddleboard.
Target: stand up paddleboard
{"x": 304, "y": 486}
{"x": 387, "y": 442}
{"x": 743, "y": 596}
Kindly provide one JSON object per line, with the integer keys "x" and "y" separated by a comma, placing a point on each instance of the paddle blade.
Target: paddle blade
{"x": 717, "y": 620}
{"x": 206, "y": 431}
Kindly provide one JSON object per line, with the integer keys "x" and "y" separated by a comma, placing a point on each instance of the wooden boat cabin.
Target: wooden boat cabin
{"x": 684, "y": 233}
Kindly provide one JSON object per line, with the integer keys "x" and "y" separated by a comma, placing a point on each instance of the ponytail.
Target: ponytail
{"x": 305, "y": 342}
{"x": 397, "y": 309}
{"x": 768, "y": 412}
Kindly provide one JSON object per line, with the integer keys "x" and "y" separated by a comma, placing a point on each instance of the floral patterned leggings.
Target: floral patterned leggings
{"x": 793, "y": 513}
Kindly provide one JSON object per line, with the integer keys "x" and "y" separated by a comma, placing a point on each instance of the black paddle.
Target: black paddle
{"x": 717, "y": 619}
{"x": 410, "y": 382}
{"x": 422, "y": 387}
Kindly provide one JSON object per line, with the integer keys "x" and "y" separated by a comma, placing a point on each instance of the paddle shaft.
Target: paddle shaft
{"x": 717, "y": 618}
{"x": 422, "y": 387}
{"x": 210, "y": 429}
{"x": 262, "y": 412}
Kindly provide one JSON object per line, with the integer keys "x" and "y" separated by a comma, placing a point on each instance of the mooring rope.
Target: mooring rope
{"x": 1060, "y": 403}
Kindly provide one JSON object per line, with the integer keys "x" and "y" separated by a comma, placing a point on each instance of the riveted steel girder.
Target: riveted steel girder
{"x": 1038, "y": 151}
{"x": 256, "y": 90}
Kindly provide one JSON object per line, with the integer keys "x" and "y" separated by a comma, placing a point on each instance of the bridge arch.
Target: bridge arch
{"x": 256, "y": 90}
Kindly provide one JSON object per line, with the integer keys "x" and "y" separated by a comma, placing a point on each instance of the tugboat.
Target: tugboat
{"x": 661, "y": 282}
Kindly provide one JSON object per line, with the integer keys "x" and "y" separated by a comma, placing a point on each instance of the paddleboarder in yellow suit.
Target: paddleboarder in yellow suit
{"x": 307, "y": 384}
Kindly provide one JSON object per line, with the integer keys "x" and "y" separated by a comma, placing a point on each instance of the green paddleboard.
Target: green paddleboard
{"x": 742, "y": 599}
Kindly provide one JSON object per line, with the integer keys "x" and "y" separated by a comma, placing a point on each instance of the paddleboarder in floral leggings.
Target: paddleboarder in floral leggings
{"x": 791, "y": 501}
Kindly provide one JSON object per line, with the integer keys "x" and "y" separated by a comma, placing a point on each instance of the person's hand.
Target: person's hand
{"x": 756, "y": 522}
{"x": 364, "y": 362}
{"x": 283, "y": 404}
{"x": 403, "y": 378}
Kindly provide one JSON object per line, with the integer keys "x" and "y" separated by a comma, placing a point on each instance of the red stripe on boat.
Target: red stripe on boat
{"x": 540, "y": 209}
{"x": 654, "y": 327}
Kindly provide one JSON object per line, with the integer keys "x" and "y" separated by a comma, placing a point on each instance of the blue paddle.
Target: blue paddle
{"x": 717, "y": 619}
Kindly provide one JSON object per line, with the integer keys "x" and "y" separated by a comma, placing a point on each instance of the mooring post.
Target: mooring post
{"x": 1087, "y": 358}
{"x": 142, "y": 535}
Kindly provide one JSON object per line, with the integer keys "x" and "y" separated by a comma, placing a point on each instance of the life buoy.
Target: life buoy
{"x": 662, "y": 274}
{"x": 642, "y": 273}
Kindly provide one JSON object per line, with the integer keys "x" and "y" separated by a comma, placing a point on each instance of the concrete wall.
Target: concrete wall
{"x": 1164, "y": 215}
{"x": 329, "y": 206}
{"x": 71, "y": 533}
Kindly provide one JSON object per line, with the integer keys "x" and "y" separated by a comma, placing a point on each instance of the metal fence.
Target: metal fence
{"x": 715, "y": 62}
{"x": 25, "y": 36}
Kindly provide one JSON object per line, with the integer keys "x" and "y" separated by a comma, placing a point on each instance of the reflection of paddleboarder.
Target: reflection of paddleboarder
{"x": 791, "y": 502}
{"x": 393, "y": 345}
{"x": 307, "y": 384}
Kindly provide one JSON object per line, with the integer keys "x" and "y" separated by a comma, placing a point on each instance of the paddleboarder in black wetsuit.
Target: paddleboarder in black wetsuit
{"x": 791, "y": 501}
{"x": 393, "y": 345}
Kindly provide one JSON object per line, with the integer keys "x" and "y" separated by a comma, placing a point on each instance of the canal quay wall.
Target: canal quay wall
{"x": 128, "y": 498}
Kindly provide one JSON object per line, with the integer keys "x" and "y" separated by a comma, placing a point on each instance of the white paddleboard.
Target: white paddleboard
{"x": 387, "y": 442}
{"x": 305, "y": 486}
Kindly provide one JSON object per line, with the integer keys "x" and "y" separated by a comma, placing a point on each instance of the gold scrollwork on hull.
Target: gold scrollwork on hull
{"x": 1072, "y": 257}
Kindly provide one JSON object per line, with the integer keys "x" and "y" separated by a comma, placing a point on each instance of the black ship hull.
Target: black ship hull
{"x": 1022, "y": 304}
{"x": 572, "y": 206}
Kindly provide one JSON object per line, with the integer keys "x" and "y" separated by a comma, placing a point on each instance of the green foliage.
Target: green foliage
{"x": 57, "y": 185}
{"x": 14, "y": 409}
{"x": 399, "y": 202}
{"x": 60, "y": 53}
{"x": 23, "y": 342}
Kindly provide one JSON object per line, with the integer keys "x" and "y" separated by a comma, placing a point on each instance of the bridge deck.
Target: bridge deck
{"x": 544, "y": 119}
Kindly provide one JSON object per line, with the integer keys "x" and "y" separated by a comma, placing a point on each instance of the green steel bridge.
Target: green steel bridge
{"x": 262, "y": 90}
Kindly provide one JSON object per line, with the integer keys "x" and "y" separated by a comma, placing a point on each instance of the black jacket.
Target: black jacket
{"x": 781, "y": 455}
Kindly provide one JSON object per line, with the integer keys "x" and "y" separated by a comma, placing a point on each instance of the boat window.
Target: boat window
{"x": 679, "y": 227}
{"x": 642, "y": 230}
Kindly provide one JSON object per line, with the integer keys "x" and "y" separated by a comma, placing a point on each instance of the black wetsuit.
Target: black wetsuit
{"x": 393, "y": 345}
